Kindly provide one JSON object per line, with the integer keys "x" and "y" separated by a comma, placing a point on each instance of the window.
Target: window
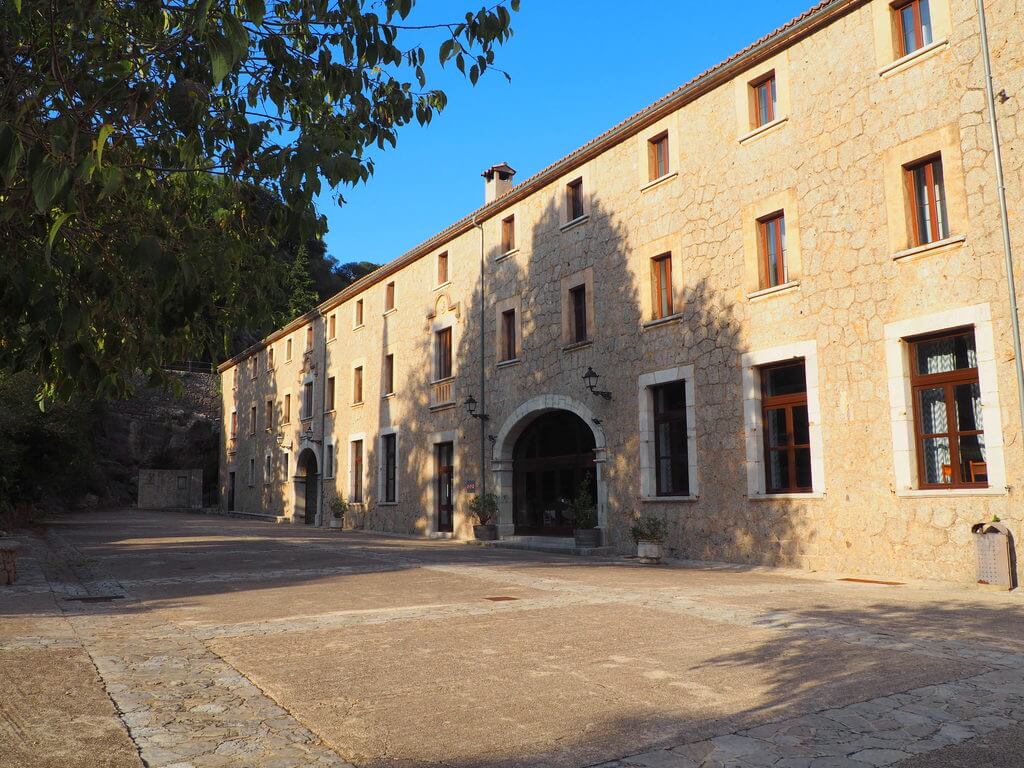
{"x": 927, "y": 196}
{"x": 442, "y": 268}
{"x": 786, "y": 427}
{"x": 574, "y": 199}
{"x": 671, "y": 459}
{"x": 389, "y": 297}
{"x": 329, "y": 461}
{"x": 948, "y": 428}
{"x": 307, "y": 400}
{"x": 288, "y": 350}
{"x": 661, "y": 286}
{"x": 329, "y": 395}
{"x": 578, "y": 305}
{"x": 286, "y": 416}
{"x": 332, "y": 326}
{"x": 772, "y": 245}
{"x": 508, "y": 234}
{"x": 270, "y": 358}
{"x": 359, "y": 312}
{"x": 252, "y": 472}
{"x": 309, "y": 338}
{"x": 357, "y": 385}
{"x": 389, "y": 449}
{"x": 255, "y": 366}
{"x": 764, "y": 100}
{"x": 284, "y": 465}
{"x": 388, "y": 377}
{"x": 234, "y": 424}
{"x": 268, "y": 469}
{"x": 443, "y": 354}
{"x": 913, "y": 25}
{"x": 234, "y": 377}
{"x": 270, "y": 415}
{"x": 357, "y": 471}
{"x": 509, "y": 350}
{"x": 252, "y": 420}
{"x": 657, "y": 156}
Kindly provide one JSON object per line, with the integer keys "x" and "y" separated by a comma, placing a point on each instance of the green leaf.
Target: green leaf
{"x": 11, "y": 150}
{"x": 54, "y": 228}
{"x": 255, "y": 10}
{"x": 101, "y": 139}
{"x": 113, "y": 178}
{"x": 46, "y": 182}
{"x": 220, "y": 58}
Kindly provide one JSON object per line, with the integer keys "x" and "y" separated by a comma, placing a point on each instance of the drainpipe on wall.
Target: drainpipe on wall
{"x": 997, "y": 157}
{"x": 483, "y": 369}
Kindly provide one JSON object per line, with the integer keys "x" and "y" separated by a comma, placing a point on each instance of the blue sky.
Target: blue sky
{"x": 578, "y": 67}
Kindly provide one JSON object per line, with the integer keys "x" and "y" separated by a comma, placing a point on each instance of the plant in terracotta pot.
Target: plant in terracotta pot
{"x": 484, "y": 509}
{"x": 339, "y": 508}
{"x": 649, "y": 535}
{"x": 584, "y": 516}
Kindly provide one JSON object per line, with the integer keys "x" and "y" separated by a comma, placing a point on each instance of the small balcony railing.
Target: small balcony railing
{"x": 442, "y": 392}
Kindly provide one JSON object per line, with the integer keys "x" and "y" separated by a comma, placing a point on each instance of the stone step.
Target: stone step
{"x": 554, "y": 544}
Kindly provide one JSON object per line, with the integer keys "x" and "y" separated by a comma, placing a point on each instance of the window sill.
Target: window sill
{"x": 667, "y": 320}
{"x": 390, "y": 311}
{"x": 577, "y": 345}
{"x": 306, "y": 420}
{"x": 669, "y": 499}
{"x": 929, "y": 249}
{"x": 761, "y": 130}
{"x": 786, "y": 496}
{"x": 329, "y": 411}
{"x": 358, "y": 327}
{"x": 387, "y": 503}
{"x": 775, "y": 289}
{"x": 575, "y": 222}
{"x": 441, "y": 407}
{"x": 659, "y": 181}
{"x": 508, "y": 363}
{"x": 944, "y": 493}
{"x": 332, "y": 339}
{"x": 912, "y": 58}
{"x": 506, "y": 254}
{"x": 445, "y": 284}
{"x": 387, "y": 396}
{"x": 357, "y": 405}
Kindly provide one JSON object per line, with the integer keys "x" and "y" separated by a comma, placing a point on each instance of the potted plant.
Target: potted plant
{"x": 339, "y": 508}
{"x": 649, "y": 535}
{"x": 484, "y": 508}
{"x": 584, "y": 517}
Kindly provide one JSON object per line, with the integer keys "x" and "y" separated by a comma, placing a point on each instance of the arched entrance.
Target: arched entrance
{"x": 552, "y": 459}
{"x": 306, "y": 487}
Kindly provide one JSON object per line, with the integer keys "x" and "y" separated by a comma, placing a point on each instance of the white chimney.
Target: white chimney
{"x": 497, "y": 181}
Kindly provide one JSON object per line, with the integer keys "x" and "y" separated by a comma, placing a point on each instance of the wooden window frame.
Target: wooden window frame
{"x": 252, "y": 420}
{"x": 287, "y": 411}
{"x": 509, "y": 345}
{"x": 288, "y": 350}
{"x": 357, "y": 471}
{"x": 329, "y": 395}
{"x": 770, "y": 105}
{"x": 357, "y": 385}
{"x": 388, "y": 374}
{"x": 270, "y": 359}
{"x": 901, "y": 37}
{"x": 442, "y": 268}
{"x": 309, "y": 338}
{"x": 788, "y": 403}
{"x": 658, "y": 160}
{"x": 389, "y": 453}
{"x": 659, "y": 418}
{"x": 768, "y": 232}
{"x": 255, "y": 366}
{"x": 332, "y": 326}
{"x": 389, "y": 296}
{"x": 578, "y": 308}
{"x": 270, "y": 414}
{"x": 308, "y": 396}
{"x": 508, "y": 234}
{"x": 234, "y": 424}
{"x": 443, "y": 364}
{"x": 574, "y": 208}
{"x": 359, "y": 313}
{"x": 947, "y": 381}
{"x": 938, "y": 227}
{"x": 661, "y": 287}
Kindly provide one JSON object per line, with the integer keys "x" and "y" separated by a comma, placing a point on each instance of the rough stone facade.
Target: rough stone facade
{"x": 850, "y": 115}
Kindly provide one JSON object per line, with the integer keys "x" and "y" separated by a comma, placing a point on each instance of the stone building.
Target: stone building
{"x": 789, "y": 275}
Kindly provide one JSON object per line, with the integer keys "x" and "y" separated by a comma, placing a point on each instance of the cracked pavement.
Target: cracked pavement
{"x": 166, "y": 639}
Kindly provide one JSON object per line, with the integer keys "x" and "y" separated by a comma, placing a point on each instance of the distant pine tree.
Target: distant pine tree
{"x": 302, "y": 295}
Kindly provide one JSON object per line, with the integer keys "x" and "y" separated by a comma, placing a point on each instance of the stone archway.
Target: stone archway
{"x": 307, "y": 487}
{"x": 503, "y": 455}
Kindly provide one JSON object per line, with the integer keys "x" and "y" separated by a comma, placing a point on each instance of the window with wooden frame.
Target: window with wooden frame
{"x": 574, "y": 199}
{"x": 284, "y": 466}
{"x": 442, "y": 268}
{"x": 657, "y": 156}
{"x": 389, "y": 297}
{"x": 926, "y": 194}
{"x": 329, "y": 460}
{"x": 268, "y": 469}
{"x": 948, "y": 428}
{"x": 252, "y": 472}
{"x": 671, "y": 459}
{"x": 661, "y": 286}
{"x": 913, "y": 22}
{"x": 234, "y": 424}
{"x": 255, "y": 366}
{"x": 234, "y": 377}
{"x": 509, "y": 348}
{"x": 252, "y": 420}
{"x": 763, "y": 100}
{"x": 332, "y": 326}
{"x": 309, "y": 338}
{"x": 329, "y": 395}
{"x": 787, "y": 438}
{"x": 288, "y": 350}
{"x": 270, "y": 414}
{"x": 357, "y": 385}
{"x": 443, "y": 354}
{"x": 359, "y": 313}
{"x": 357, "y": 471}
{"x": 286, "y": 415}
{"x": 578, "y": 305}
{"x": 307, "y": 401}
{"x": 388, "y": 377}
{"x": 771, "y": 236}
{"x": 270, "y": 358}
{"x": 508, "y": 234}
{"x": 389, "y": 447}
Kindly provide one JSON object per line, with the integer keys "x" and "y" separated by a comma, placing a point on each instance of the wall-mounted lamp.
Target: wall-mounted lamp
{"x": 308, "y": 436}
{"x": 471, "y": 409}
{"x": 280, "y": 438}
{"x": 590, "y": 378}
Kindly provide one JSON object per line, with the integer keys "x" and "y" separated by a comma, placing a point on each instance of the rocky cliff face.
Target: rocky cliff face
{"x": 157, "y": 429}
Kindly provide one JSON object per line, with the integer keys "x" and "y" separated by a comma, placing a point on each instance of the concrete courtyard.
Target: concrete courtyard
{"x": 181, "y": 640}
